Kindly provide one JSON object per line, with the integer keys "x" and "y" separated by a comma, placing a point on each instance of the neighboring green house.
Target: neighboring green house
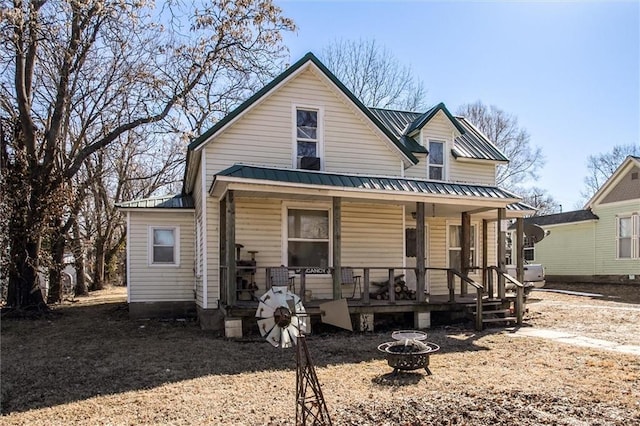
{"x": 600, "y": 243}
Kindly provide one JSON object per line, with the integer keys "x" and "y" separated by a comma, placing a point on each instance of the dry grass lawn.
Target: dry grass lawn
{"x": 89, "y": 364}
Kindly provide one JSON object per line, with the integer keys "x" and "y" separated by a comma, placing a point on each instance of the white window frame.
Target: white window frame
{"x": 176, "y": 247}
{"x": 529, "y": 246}
{"x": 475, "y": 249}
{"x": 444, "y": 158}
{"x": 635, "y": 236}
{"x": 319, "y": 133}
{"x": 285, "y": 228}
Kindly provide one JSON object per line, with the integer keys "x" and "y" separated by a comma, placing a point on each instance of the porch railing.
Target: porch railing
{"x": 519, "y": 302}
{"x": 451, "y": 274}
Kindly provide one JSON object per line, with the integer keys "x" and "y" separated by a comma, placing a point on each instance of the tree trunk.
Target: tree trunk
{"x": 55, "y": 270}
{"x": 23, "y": 291}
{"x": 78, "y": 254}
{"x": 98, "y": 268}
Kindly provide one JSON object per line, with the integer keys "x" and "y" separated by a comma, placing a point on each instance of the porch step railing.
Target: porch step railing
{"x": 519, "y": 301}
{"x": 451, "y": 274}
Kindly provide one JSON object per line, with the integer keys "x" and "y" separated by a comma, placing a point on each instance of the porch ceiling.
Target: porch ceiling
{"x": 441, "y": 198}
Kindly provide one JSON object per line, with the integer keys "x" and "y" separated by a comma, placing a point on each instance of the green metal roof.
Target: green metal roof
{"x": 165, "y": 202}
{"x": 309, "y": 57}
{"x": 473, "y": 144}
{"x": 470, "y": 144}
{"x": 421, "y": 121}
{"x": 383, "y": 183}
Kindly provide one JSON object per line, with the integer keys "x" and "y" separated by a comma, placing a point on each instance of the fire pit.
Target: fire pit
{"x": 408, "y": 351}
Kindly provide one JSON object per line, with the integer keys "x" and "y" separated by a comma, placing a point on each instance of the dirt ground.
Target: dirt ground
{"x": 89, "y": 364}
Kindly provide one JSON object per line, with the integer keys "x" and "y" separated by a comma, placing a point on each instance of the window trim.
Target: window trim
{"x": 319, "y": 132}
{"x": 635, "y": 236}
{"x": 286, "y": 206}
{"x": 444, "y": 158}
{"x": 176, "y": 247}
{"x": 475, "y": 249}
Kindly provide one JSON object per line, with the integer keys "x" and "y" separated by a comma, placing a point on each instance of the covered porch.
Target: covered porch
{"x": 411, "y": 225}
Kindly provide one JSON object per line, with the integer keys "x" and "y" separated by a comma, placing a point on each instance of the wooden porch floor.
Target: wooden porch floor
{"x": 438, "y": 303}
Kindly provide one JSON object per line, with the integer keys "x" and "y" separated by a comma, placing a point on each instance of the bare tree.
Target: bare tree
{"x": 540, "y": 199}
{"x": 503, "y": 130}
{"x": 602, "y": 166}
{"x": 77, "y": 76}
{"x": 374, "y": 75}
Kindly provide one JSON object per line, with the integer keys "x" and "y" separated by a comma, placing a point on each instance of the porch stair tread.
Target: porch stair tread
{"x": 494, "y": 311}
{"x": 502, "y": 319}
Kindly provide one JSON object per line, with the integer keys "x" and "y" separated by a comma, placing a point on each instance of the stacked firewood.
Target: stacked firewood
{"x": 402, "y": 292}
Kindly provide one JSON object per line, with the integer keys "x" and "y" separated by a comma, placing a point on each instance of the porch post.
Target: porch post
{"x": 502, "y": 213}
{"x": 230, "y": 249}
{"x": 337, "y": 244}
{"x": 520, "y": 252}
{"x": 485, "y": 256}
{"x": 420, "y": 252}
{"x": 465, "y": 248}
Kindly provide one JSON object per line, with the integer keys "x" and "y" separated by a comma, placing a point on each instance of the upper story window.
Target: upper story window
{"x": 629, "y": 237}
{"x": 163, "y": 248}
{"x": 529, "y": 248}
{"x": 435, "y": 160}
{"x": 308, "y": 138}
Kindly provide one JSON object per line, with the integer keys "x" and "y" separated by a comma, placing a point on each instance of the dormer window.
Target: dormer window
{"x": 308, "y": 138}
{"x": 435, "y": 160}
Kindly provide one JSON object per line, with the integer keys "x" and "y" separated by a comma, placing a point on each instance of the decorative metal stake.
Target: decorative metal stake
{"x": 310, "y": 409}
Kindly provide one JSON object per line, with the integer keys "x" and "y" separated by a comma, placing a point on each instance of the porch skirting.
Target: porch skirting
{"x": 184, "y": 309}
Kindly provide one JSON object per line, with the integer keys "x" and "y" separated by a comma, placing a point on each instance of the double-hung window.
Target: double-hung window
{"x": 163, "y": 249}
{"x": 529, "y": 248}
{"x": 455, "y": 247}
{"x": 628, "y": 236}
{"x": 308, "y": 237}
{"x": 435, "y": 160}
{"x": 307, "y": 139}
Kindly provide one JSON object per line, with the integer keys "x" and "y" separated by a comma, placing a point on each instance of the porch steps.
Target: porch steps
{"x": 493, "y": 312}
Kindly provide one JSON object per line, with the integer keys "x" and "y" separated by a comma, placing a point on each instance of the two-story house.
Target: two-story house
{"x": 304, "y": 176}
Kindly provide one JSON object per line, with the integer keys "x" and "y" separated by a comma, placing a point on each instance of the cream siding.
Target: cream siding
{"x": 606, "y": 262}
{"x": 371, "y": 235}
{"x": 197, "y": 199}
{"x": 264, "y": 135}
{"x": 213, "y": 252}
{"x": 418, "y": 171}
{"x": 160, "y": 283}
{"x": 568, "y": 249}
{"x": 481, "y": 172}
{"x": 438, "y": 252}
{"x": 439, "y": 128}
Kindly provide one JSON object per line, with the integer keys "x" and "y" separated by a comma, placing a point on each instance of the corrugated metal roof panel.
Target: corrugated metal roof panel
{"x": 311, "y": 178}
{"x": 165, "y": 202}
{"x": 473, "y": 144}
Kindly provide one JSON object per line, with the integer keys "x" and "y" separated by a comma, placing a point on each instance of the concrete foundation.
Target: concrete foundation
{"x": 422, "y": 320}
{"x": 233, "y": 327}
{"x": 365, "y": 322}
{"x": 211, "y": 319}
{"x": 138, "y": 310}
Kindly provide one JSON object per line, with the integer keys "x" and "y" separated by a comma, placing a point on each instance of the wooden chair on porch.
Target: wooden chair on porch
{"x": 280, "y": 277}
{"x": 348, "y": 278}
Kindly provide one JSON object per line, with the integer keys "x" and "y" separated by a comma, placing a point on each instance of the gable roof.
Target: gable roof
{"x": 421, "y": 121}
{"x": 366, "y": 183}
{"x": 560, "y": 218}
{"x": 306, "y": 59}
{"x": 613, "y": 180}
{"x": 471, "y": 143}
